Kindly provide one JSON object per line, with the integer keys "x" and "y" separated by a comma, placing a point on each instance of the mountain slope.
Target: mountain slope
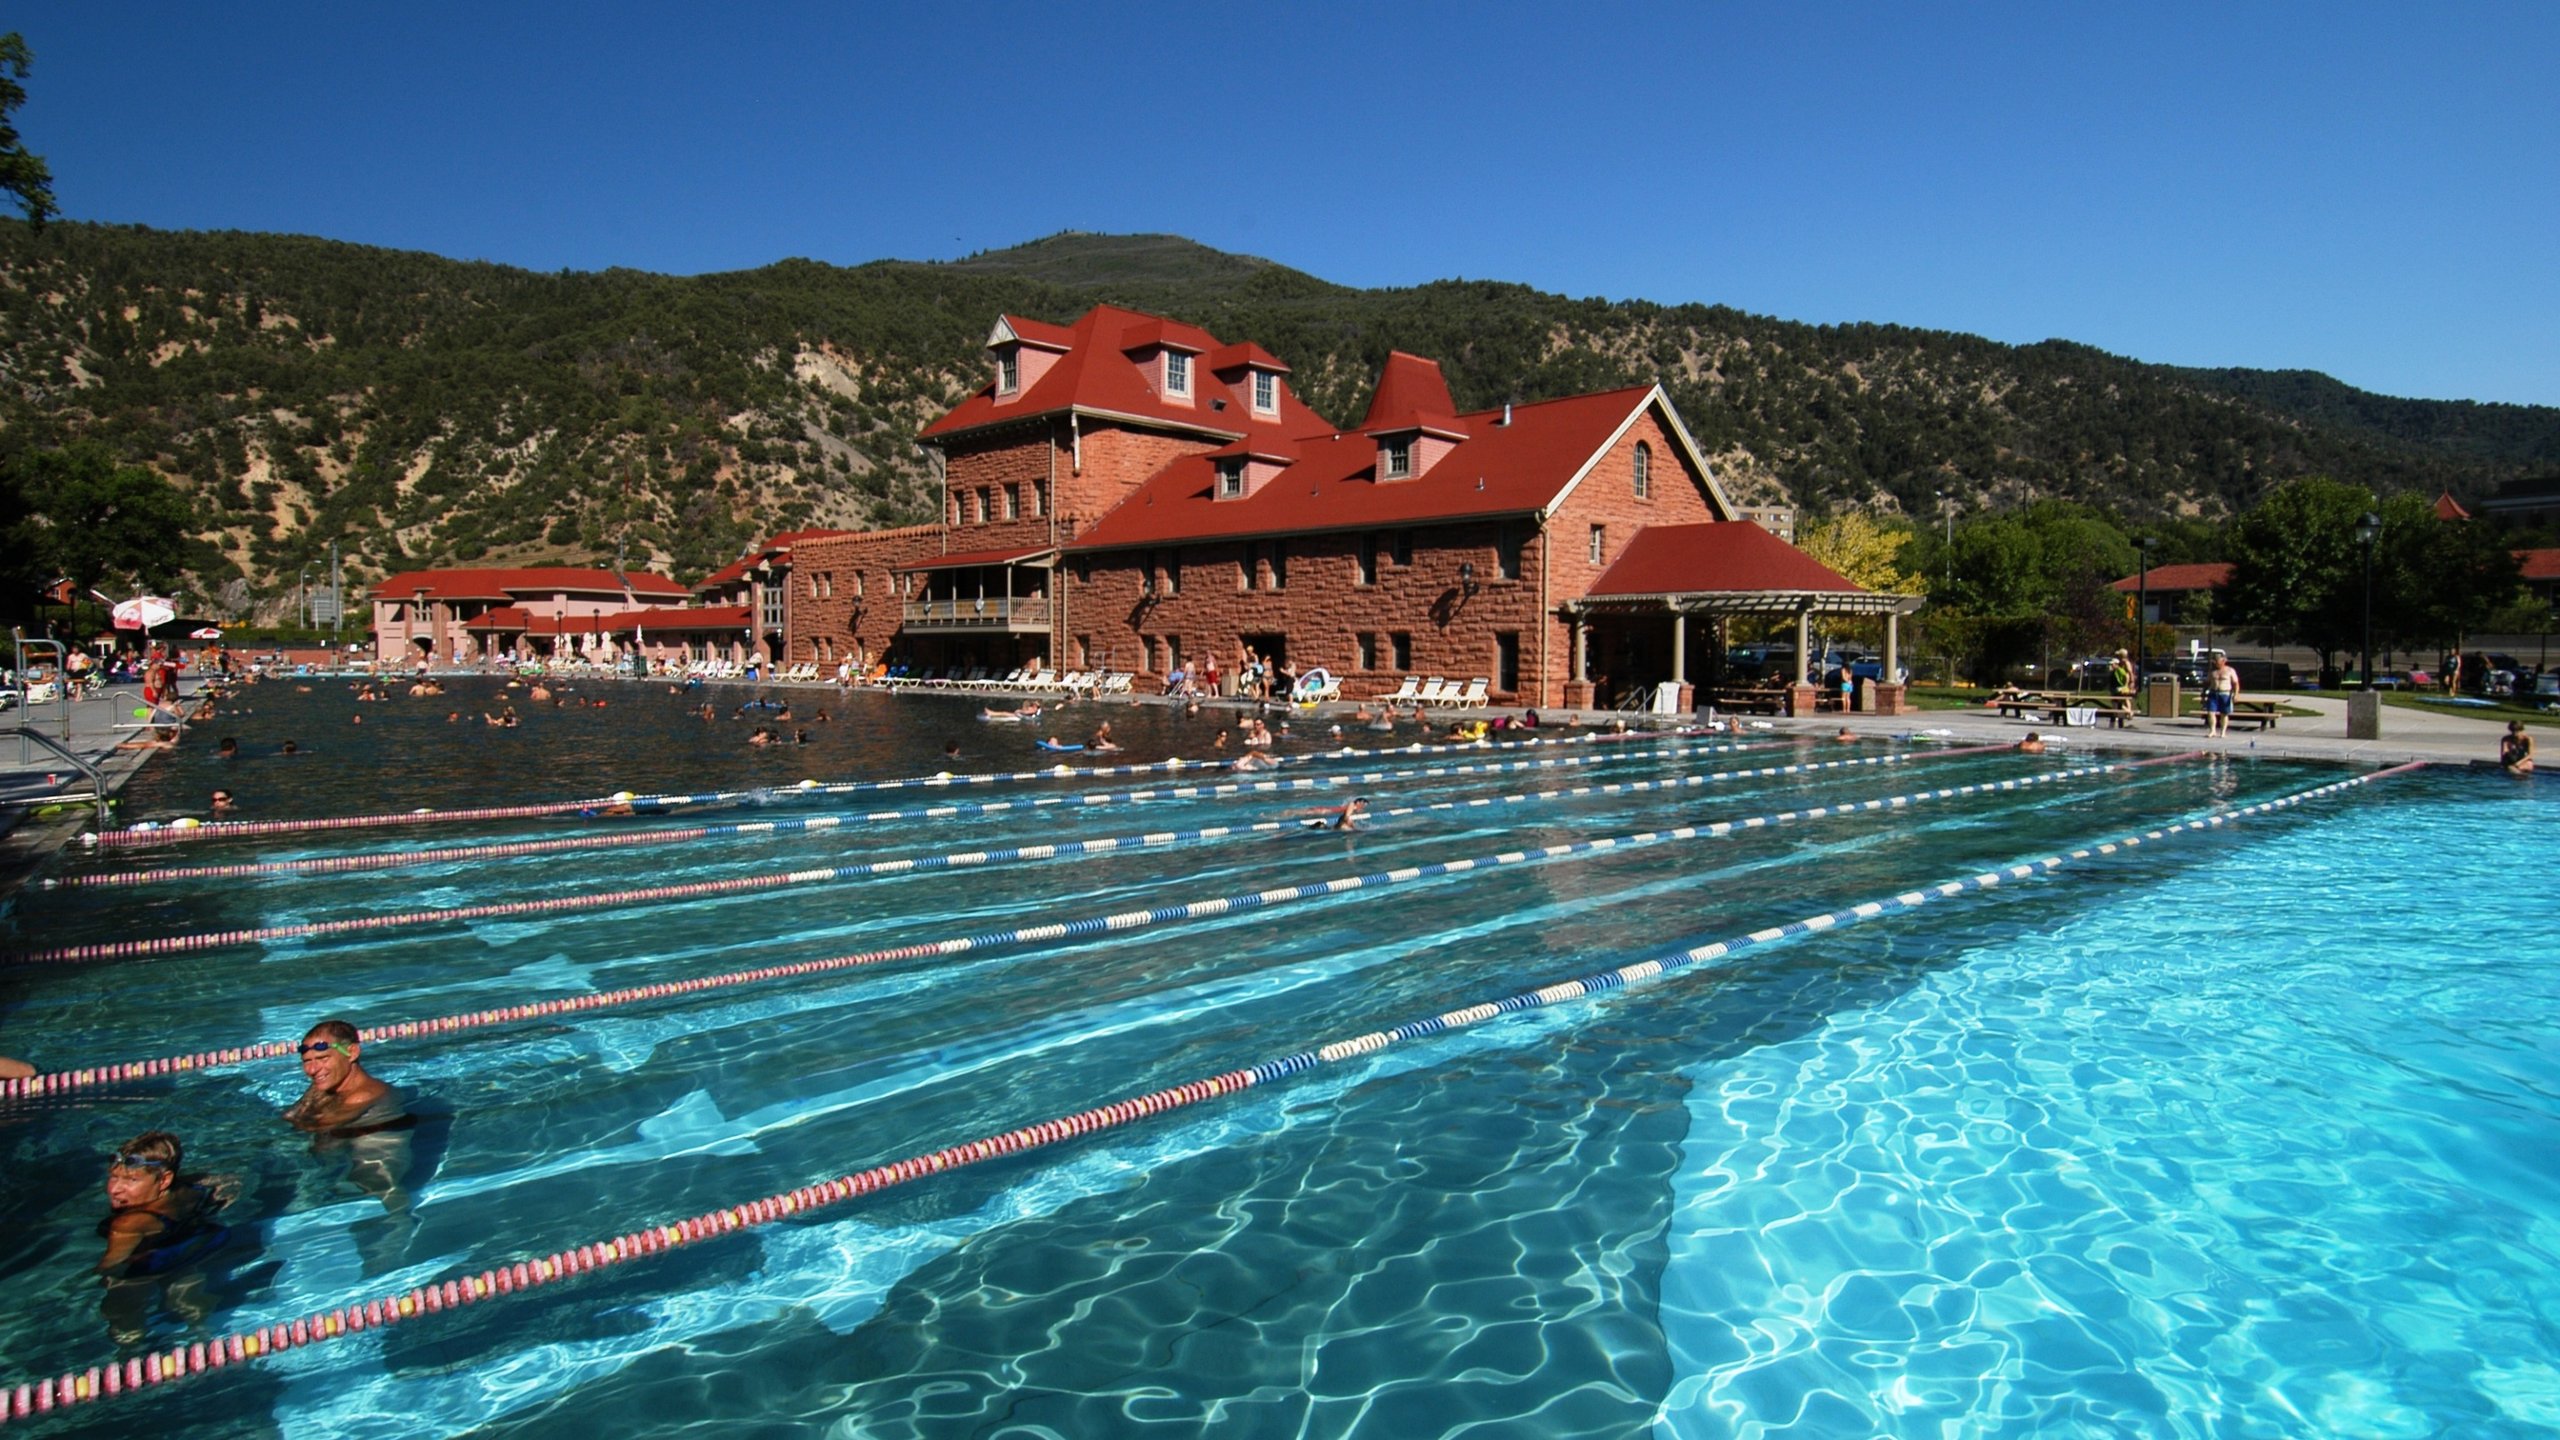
{"x": 426, "y": 410}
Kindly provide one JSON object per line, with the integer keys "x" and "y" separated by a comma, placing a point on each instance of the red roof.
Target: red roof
{"x": 506, "y": 584}
{"x": 1714, "y": 557}
{"x": 2448, "y": 508}
{"x": 1098, "y": 374}
{"x": 968, "y": 558}
{"x": 779, "y": 545}
{"x": 512, "y": 618}
{"x": 1241, "y": 354}
{"x": 1515, "y": 469}
{"x": 2177, "y": 577}
{"x": 1037, "y": 332}
{"x": 1409, "y": 388}
{"x": 2539, "y": 564}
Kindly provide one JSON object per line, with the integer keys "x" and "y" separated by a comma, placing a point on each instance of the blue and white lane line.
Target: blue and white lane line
{"x": 686, "y": 892}
{"x": 761, "y": 829}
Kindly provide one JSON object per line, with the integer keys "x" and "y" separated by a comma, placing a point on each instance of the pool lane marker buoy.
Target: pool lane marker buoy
{"x": 748, "y": 884}
{"x": 233, "y": 829}
{"x": 78, "y": 1387}
{"x": 761, "y": 829}
{"x": 60, "y": 1081}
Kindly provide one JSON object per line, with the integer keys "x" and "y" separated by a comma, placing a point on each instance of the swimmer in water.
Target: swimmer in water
{"x": 2033, "y": 744}
{"x": 347, "y": 1107}
{"x": 159, "y": 1221}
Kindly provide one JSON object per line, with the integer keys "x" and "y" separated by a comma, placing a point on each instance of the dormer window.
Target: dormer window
{"x": 1008, "y": 373}
{"x": 1395, "y": 459}
{"x": 1177, "y": 373}
{"x": 1231, "y": 479}
{"x": 1266, "y": 392}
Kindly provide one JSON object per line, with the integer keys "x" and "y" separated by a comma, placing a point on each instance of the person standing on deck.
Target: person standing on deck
{"x": 2221, "y": 689}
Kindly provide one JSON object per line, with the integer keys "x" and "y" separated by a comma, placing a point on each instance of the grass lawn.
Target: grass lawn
{"x": 2500, "y": 712}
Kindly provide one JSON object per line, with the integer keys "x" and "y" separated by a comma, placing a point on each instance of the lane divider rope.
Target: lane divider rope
{"x": 234, "y": 829}
{"x": 398, "y": 859}
{"x": 776, "y": 880}
{"x": 60, "y": 1081}
{"x": 159, "y": 1367}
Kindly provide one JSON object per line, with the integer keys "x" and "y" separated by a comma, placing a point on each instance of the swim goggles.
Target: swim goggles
{"x": 138, "y": 1162}
{"x": 323, "y": 1047}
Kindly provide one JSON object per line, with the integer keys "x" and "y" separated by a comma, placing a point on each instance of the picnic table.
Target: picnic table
{"x": 2055, "y": 707}
{"x": 1749, "y": 699}
{"x": 2261, "y": 713}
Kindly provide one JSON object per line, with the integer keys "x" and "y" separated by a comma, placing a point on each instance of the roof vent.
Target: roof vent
{"x": 1506, "y": 414}
{"x": 1217, "y": 404}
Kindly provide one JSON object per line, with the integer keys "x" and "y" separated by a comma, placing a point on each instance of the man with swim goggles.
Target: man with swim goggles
{"x": 348, "y": 1108}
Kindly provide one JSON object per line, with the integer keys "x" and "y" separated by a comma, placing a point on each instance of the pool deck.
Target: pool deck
{"x": 31, "y": 774}
{"x": 2452, "y": 737}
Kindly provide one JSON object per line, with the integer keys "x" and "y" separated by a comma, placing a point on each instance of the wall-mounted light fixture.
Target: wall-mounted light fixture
{"x": 1466, "y": 577}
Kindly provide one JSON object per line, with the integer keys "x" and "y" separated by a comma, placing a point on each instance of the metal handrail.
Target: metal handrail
{"x": 97, "y": 779}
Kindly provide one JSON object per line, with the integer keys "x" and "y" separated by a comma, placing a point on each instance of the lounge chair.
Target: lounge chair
{"x": 1409, "y": 694}
{"x": 1435, "y": 691}
{"x": 1474, "y": 693}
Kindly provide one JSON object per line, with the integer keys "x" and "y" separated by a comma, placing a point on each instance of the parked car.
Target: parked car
{"x": 2546, "y": 686}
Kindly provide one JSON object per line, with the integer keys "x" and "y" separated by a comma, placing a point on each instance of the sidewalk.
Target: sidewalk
{"x": 32, "y": 774}
{"x": 2452, "y": 737}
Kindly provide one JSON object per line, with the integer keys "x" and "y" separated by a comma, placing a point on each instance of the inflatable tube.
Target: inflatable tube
{"x": 1053, "y": 745}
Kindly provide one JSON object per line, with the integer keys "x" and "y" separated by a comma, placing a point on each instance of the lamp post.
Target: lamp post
{"x": 2141, "y": 601}
{"x": 302, "y": 597}
{"x": 2368, "y": 530}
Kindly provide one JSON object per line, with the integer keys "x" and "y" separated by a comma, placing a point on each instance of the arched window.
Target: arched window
{"x": 1644, "y": 471}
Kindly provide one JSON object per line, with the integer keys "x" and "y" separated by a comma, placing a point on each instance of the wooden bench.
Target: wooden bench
{"x": 1749, "y": 701}
{"x": 2261, "y": 713}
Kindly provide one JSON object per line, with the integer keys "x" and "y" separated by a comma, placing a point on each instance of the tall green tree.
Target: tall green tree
{"x": 22, "y": 174}
{"x": 2438, "y": 580}
{"x": 2297, "y": 567}
{"x": 106, "y": 526}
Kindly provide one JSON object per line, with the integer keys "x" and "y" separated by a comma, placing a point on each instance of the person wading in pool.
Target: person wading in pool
{"x": 349, "y": 1108}
{"x": 159, "y": 1224}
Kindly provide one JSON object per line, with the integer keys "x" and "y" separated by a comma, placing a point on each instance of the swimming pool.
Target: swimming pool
{"x": 2240, "y": 1132}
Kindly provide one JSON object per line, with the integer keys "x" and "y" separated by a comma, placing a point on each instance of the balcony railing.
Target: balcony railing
{"x": 996, "y": 612}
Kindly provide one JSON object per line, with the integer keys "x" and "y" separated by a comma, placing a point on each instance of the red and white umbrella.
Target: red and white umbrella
{"x": 142, "y": 612}
{"x": 204, "y": 632}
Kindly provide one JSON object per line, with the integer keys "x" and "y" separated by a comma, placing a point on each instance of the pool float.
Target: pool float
{"x": 1053, "y": 745}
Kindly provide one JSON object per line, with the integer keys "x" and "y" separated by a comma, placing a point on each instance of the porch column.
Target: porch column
{"x": 1680, "y": 661}
{"x": 1889, "y": 692}
{"x": 1802, "y": 698}
{"x": 1577, "y": 687}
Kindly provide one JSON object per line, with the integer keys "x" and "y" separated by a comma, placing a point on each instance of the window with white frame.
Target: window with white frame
{"x": 1644, "y": 471}
{"x": 1395, "y": 460}
{"x": 1230, "y": 479}
{"x": 1599, "y": 543}
{"x": 1012, "y": 501}
{"x": 1008, "y": 373}
{"x": 1177, "y": 373}
{"x": 1266, "y": 391}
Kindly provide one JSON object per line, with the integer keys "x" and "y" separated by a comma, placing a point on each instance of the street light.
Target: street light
{"x": 2368, "y": 530}
{"x": 301, "y": 597}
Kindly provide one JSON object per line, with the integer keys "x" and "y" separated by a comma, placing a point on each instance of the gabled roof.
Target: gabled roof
{"x": 1010, "y": 328}
{"x": 2539, "y": 564}
{"x": 1522, "y": 468}
{"x": 1241, "y": 354}
{"x": 1098, "y": 376}
{"x": 2211, "y": 576}
{"x": 1716, "y": 557}
{"x": 779, "y": 545}
{"x": 2448, "y": 508}
{"x": 506, "y": 584}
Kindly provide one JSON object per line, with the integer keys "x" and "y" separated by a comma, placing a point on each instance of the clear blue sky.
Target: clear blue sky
{"x": 2367, "y": 190}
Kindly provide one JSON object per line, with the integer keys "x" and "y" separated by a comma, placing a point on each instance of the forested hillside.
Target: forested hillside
{"x": 425, "y": 410}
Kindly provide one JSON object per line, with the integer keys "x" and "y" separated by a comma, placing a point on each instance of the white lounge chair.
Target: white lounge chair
{"x": 1409, "y": 693}
{"x": 1474, "y": 693}
{"x": 1435, "y": 691}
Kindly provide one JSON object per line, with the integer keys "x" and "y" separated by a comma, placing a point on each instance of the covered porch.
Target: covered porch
{"x": 1662, "y": 616}
{"x": 991, "y": 608}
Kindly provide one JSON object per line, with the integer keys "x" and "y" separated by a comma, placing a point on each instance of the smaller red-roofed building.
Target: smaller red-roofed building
{"x": 428, "y": 616}
{"x": 2164, "y": 586}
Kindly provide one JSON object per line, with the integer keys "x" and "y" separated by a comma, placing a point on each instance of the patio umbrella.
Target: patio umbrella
{"x": 143, "y": 612}
{"x": 204, "y": 632}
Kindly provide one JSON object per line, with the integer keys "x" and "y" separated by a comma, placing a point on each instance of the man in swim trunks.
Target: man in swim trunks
{"x": 2221, "y": 687}
{"x": 2515, "y": 750}
{"x": 347, "y": 1106}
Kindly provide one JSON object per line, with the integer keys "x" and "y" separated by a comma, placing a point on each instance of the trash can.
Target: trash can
{"x": 2160, "y": 697}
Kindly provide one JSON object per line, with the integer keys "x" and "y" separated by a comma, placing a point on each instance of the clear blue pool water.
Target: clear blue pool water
{"x": 2245, "y": 1133}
